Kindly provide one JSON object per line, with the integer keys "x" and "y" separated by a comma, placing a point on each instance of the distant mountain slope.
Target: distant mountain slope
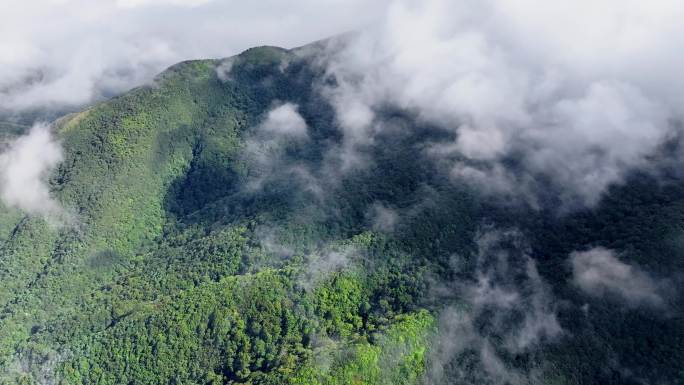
{"x": 209, "y": 247}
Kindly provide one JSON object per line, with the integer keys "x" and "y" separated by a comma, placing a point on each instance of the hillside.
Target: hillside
{"x": 204, "y": 246}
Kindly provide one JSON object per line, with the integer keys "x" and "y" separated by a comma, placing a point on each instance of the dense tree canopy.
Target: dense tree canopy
{"x": 191, "y": 261}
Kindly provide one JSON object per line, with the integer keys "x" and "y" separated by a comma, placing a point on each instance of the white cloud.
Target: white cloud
{"x": 68, "y": 52}
{"x": 224, "y": 69}
{"x": 581, "y": 92}
{"x": 265, "y": 149}
{"x": 285, "y": 120}
{"x": 599, "y": 272}
{"x": 24, "y": 168}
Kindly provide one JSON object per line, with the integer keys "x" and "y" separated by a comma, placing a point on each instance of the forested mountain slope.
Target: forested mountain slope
{"x": 213, "y": 232}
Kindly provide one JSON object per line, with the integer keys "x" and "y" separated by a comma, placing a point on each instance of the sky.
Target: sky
{"x": 59, "y": 53}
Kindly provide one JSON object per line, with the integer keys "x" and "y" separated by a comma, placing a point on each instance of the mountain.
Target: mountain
{"x": 215, "y": 228}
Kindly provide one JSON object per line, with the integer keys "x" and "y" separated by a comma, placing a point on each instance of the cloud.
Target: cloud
{"x": 270, "y": 241}
{"x": 318, "y": 259}
{"x": 285, "y": 120}
{"x": 507, "y": 309}
{"x": 598, "y": 272}
{"x": 282, "y": 127}
{"x": 577, "y": 93}
{"x": 24, "y": 168}
{"x": 383, "y": 218}
{"x": 223, "y": 70}
{"x": 319, "y": 266}
{"x": 540, "y": 322}
{"x": 266, "y": 150}
{"x": 69, "y": 52}
{"x": 508, "y": 281}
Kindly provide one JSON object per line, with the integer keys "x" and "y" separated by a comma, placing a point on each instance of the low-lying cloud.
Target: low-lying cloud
{"x": 283, "y": 129}
{"x": 320, "y": 266}
{"x": 577, "y": 93}
{"x": 24, "y": 168}
{"x": 285, "y": 120}
{"x": 598, "y": 272}
{"x": 383, "y": 218}
{"x": 508, "y": 309}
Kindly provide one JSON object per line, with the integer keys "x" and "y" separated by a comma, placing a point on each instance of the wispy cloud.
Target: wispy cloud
{"x": 383, "y": 218}
{"x": 321, "y": 265}
{"x": 508, "y": 308}
{"x": 598, "y": 272}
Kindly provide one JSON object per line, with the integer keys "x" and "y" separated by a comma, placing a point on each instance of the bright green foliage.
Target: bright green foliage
{"x": 175, "y": 271}
{"x": 338, "y": 302}
{"x": 398, "y": 357}
{"x": 235, "y": 329}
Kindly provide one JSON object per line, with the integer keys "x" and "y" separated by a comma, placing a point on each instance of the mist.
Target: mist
{"x": 72, "y": 52}
{"x": 547, "y": 105}
{"x": 506, "y": 308}
{"x": 577, "y": 93}
{"x": 599, "y": 273}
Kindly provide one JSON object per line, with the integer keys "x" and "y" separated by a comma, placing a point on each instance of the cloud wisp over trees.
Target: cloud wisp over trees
{"x": 24, "y": 168}
{"x": 528, "y": 94}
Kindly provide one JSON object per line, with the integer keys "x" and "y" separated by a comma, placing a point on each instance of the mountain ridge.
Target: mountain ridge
{"x": 207, "y": 251}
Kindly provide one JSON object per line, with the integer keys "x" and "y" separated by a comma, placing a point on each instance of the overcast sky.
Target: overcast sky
{"x": 74, "y": 50}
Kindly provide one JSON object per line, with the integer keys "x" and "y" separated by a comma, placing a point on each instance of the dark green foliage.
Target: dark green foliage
{"x": 236, "y": 329}
{"x": 174, "y": 271}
